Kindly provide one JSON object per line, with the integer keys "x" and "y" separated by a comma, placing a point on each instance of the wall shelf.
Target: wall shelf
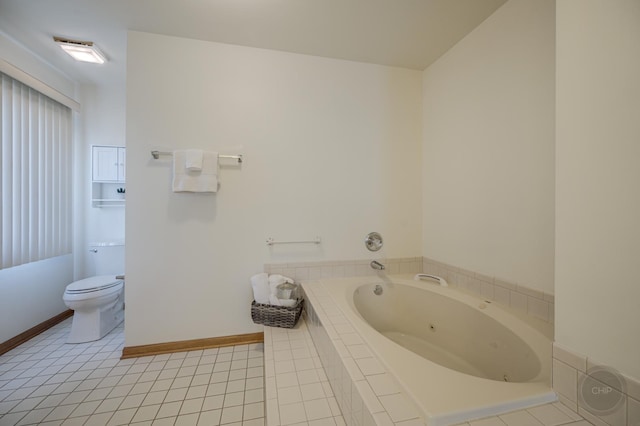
{"x": 107, "y": 203}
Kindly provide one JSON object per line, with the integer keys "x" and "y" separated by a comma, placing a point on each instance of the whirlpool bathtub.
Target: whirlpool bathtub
{"x": 456, "y": 356}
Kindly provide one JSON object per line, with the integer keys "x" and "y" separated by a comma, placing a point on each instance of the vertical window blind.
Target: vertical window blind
{"x": 35, "y": 175}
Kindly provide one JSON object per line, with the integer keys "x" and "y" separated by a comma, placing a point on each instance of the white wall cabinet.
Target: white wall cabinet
{"x": 108, "y": 163}
{"x": 108, "y": 176}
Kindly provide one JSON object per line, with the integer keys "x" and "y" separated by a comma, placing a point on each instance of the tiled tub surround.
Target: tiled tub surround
{"x": 307, "y": 271}
{"x": 342, "y": 329}
{"x": 569, "y": 372}
{"x": 304, "y": 401}
{"x": 515, "y": 296}
{"x": 569, "y": 369}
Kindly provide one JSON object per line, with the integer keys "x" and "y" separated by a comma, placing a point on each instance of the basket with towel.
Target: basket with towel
{"x": 276, "y": 301}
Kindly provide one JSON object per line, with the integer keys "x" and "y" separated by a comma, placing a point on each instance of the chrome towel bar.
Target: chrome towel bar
{"x": 157, "y": 154}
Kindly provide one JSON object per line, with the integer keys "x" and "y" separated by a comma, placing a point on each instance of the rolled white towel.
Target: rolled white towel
{"x": 288, "y": 302}
{"x": 279, "y": 279}
{"x": 260, "y": 285}
{"x": 273, "y": 300}
{"x": 273, "y": 286}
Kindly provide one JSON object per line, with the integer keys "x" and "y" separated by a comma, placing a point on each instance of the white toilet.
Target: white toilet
{"x": 98, "y": 302}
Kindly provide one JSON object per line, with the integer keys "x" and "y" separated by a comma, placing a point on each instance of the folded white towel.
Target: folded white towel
{"x": 193, "y": 161}
{"x": 205, "y": 180}
{"x": 260, "y": 285}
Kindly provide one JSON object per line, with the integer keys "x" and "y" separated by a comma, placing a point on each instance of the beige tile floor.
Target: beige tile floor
{"x": 46, "y": 381}
{"x": 543, "y": 415}
{"x": 298, "y": 392}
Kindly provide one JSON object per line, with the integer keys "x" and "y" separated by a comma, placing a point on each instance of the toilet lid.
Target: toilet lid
{"x": 88, "y": 285}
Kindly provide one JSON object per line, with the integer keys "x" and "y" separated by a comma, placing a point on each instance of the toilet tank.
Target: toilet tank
{"x": 108, "y": 257}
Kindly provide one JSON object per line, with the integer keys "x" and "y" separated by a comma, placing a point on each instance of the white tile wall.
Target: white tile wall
{"x": 305, "y": 271}
{"x": 569, "y": 372}
{"x": 532, "y": 302}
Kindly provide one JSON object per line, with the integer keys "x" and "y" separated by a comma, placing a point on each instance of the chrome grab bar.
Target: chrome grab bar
{"x": 271, "y": 241}
{"x": 441, "y": 280}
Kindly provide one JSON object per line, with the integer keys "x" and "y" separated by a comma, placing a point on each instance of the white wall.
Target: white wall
{"x": 32, "y": 293}
{"x": 488, "y": 153}
{"x": 20, "y": 57}
{"x": 103, "y": 123}
{"x": 332, "y": 150}
{"x": 598, "y": 202}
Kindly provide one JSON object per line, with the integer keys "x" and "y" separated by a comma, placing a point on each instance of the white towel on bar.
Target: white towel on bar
{"x": 205, "y": 180}
{"x": 193, "y": 162}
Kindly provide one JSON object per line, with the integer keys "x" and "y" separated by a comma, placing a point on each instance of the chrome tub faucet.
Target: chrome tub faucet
{"x": 376, "y": 265}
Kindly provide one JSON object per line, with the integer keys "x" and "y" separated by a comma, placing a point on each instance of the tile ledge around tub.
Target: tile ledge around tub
{"x": 362, "y": 401}
{"x": 544, "y": 327}
{"x": 531, "y": 302}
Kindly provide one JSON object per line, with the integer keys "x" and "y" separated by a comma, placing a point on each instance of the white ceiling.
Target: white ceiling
{"x": 403, "y": 33}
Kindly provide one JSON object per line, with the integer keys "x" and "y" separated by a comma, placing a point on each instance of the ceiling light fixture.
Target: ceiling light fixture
{"x": 84, "y": 51}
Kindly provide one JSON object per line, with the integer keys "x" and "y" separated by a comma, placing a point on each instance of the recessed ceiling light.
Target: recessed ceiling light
{"x": 84, "y": 51}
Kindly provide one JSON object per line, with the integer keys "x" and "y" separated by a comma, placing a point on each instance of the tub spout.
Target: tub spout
{"x": 377, "y": 265}
{"x": 440, "y": 280}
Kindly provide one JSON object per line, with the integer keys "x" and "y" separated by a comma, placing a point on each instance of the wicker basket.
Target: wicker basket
{"x": 276, "y": 316}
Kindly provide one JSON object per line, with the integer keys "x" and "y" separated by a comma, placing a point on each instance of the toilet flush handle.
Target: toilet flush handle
{"x": 93, "y": 250}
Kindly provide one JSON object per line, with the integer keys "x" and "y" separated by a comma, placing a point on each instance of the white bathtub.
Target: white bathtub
{"x": 456, "y": 356}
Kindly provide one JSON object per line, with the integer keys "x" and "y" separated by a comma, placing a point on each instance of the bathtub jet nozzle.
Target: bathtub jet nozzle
{"x": 376, "y": 265}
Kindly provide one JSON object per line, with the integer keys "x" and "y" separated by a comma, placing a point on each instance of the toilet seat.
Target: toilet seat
{"x": 92, "y": 284}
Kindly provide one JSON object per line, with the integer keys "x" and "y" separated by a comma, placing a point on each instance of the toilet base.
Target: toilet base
{"x": 94, "y": 324}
